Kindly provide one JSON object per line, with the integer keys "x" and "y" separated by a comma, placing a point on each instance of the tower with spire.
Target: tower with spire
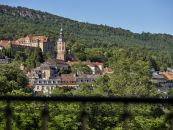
{"x": 61, "y": 46}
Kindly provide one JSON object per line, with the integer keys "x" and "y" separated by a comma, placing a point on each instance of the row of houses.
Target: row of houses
{"x": 165, "y": 79}
{"x": 70, "y": 80}
{"x": 50, "y": 69}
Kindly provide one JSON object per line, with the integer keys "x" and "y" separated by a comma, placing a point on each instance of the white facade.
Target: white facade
{"x": 44, "y": 84}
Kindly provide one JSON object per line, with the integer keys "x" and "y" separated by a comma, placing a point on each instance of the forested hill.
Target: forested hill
{"x": 20, "y": 22}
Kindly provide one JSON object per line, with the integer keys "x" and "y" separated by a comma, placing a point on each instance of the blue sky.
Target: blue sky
{"x": 154, "y": 16}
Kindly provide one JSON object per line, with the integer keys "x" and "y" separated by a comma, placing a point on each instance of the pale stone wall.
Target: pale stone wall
{"x": 45, "y": 46}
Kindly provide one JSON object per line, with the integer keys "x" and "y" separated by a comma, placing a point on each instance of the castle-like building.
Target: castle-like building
{"x": 42, "y": 41}
{"x": 31, "y": 42}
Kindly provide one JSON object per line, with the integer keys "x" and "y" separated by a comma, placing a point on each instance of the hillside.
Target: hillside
{"x": 20, "y": 22}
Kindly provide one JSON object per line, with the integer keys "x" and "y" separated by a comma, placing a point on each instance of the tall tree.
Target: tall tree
{"x": 12, "y": 78}
{"x": 49, "y": 55}
{"x": 80, "y": 67}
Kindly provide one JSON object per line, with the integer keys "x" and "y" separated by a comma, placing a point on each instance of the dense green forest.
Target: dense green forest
{"x": 20, "y": 22}
{"x": 87, "y": 41}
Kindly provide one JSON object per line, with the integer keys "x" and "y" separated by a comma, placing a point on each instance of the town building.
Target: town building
{"x": 94, "y": 69}
{"x": 17, "y": 47}
{"x": 107, "y": 71}
{"x": 48, "y": 71}
{"x": 30, "y": 42}
{"x": 3, "y": 58}
{"x": 45, "y": 85}
{"x": 86, "y": 78}
{"x": 68, "y": 80}
{"x": 165, "y": 80}
{"x": 57, "y": 63}
{"x": 34, "y": 41}
{"x": 36, "y": 73}
{"x": 100, "y": 65}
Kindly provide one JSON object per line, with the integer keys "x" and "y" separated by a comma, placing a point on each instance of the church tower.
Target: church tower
{"x": 61, "y": 46}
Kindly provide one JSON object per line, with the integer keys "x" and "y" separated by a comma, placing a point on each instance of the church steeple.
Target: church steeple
{"x": 61, "y": 38}
{"x": 61, "y": 32}
{"x": 61, "y": 46}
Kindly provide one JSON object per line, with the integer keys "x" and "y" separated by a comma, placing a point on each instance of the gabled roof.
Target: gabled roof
{"x": 169, "y": 76}
{"x": 46, "y": 66}
{"x": 32, "y": 38}
{"x": 54, "y": 62}
{"x": 71, "y": 57}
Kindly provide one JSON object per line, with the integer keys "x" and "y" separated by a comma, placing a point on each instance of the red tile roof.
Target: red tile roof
{"x": 68, "y": 79}
{"x": 107, "y": 70}
{"x": 98, "y": 63}
{"x": 29, "y": 85}
{"x": 32, "y": 38}
{"x": 169, "y": 76}
{"x": 6, "y": 41}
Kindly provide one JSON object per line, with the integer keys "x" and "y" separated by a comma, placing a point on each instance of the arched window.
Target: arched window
{"x": 63, "y": 48}
{"x": 60, "y": 48}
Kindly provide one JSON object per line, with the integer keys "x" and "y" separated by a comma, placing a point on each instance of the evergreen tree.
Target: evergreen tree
{"x": 49, "y": 55}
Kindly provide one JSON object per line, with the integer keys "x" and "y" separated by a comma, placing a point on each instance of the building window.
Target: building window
{"x": 42, "y": 88}
{"x": 63, "y": 48}
{"x": 60, "y": 48}
{"x": 37, "y": 87}
{"x": 51, "y": 88}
